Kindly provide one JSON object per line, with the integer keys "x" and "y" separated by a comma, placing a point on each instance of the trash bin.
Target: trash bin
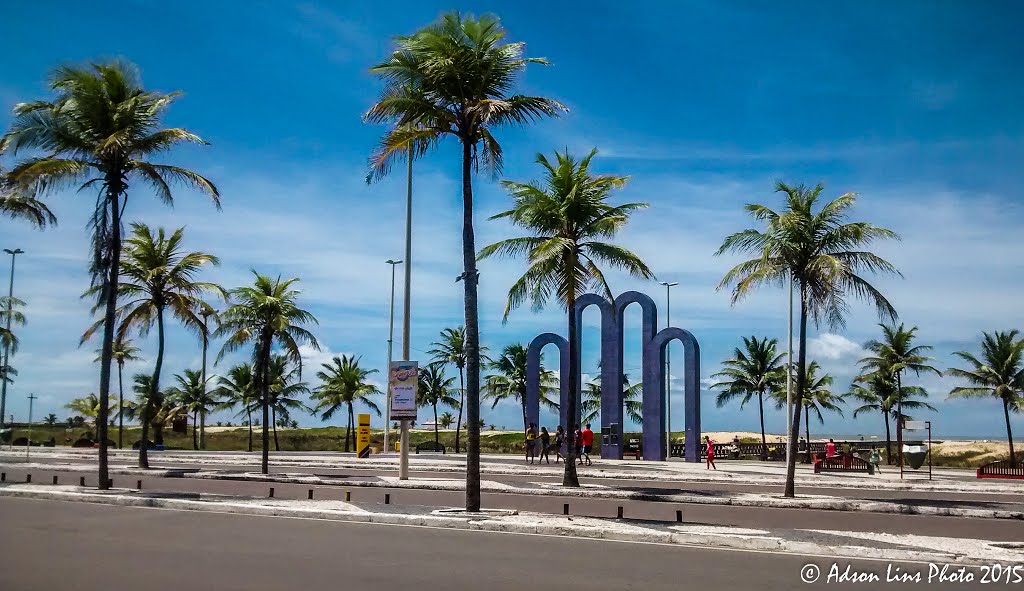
{"x": 915, "y": 455}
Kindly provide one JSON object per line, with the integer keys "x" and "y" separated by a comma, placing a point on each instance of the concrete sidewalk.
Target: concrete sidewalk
{"x": 806, "y": 541}
{"x": 971, "y": 509}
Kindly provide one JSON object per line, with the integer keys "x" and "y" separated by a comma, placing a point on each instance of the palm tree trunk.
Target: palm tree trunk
{"x": 115, "y": 187}
{"x": 888, "y": 438}
{"x": 277, "y": 446}
{"x": 764, "y": 441}
{"x": 248, "y": 418}
{"x": 120, "y": 406}
{"x": 1009, "y": 432}
{"x": 437, "y": 438}
{"x": 264, "y": 390}
{"x": 202, "y": 416}
{"x": 569, "y": 478}
{"x": 799, "y": 398}
{"x": 155, "y": 385}
{"x": 348, "y": 426}
{"x": 462, "y": 402}
{"x": 807, "y": 427}
{"x": 899, "y": 419}
{"x": 469, "y": 282}
{"x": 195, "y": 427}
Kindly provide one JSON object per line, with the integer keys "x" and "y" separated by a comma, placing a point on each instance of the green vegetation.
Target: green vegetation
{"x": 757, "y": 369}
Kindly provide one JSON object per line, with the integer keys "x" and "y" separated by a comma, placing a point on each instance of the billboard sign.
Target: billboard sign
{"x": 403, "y": 378}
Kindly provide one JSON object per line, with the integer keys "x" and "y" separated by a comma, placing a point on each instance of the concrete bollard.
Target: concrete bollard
{"x": 81, "y": 481}
{"x": 620, "y": 512}
{"x": 138, "y": 484}
{"x": 311, "y": 494}
{"x": 348, "y": 495}
{"x": 110, "y": 483}
{"x": 55, "y": 479}
{"x": 271, "y": 492}
{"x": 565, "y": 509}
{"x": 28, "y": 479}
{"x": 3, "y": 476}
{"x": 679, "y": 516}
{"x": 387, "y": 499}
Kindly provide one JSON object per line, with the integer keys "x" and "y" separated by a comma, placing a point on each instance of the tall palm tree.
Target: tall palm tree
{"x": 123, "y": 352}
{"x": 451, "y": 348}
{"x": 18, "y": 203}
{"x": 158, "y": 277}
{"x": 509, "y": 380}
{"x": 343, "y": 383}
{"x": 446, "y": 420}
{"x": 825, "y": 256}
{"x": 190, "y": 392}
{"x": 286, "y": 386}
{"x": 631, "y": 401}
{"x": 435, "y": 388}
{"x": 758, "y": 370}
{"x": 998, "y": 373}
{"x": 264, "y": 315}
{"x": 892, "y": 357}
{"x": 456, "y": 78}
{"x": 99, "y": 132}
{"x": 877, "y": 392}
{"x": 237, "y": 389}
{"x": 567, "y": 214}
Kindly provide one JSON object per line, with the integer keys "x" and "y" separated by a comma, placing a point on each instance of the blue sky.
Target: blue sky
{"x": 916, "y": 106}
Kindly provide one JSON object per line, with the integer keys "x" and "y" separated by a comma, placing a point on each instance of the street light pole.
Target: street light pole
{"x": 789, "y": 382}
{"x": 7, "y": 344}
{"x": 206, "y": 341}
{"x": 391, "y": 338}
{"x": 668, "y": 369}
{"x": 31, "y": 399}
{"x": 403, "y": 459}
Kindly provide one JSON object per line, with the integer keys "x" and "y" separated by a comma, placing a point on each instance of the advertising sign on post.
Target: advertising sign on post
{"x": 402, "y": 380}
{"x": 363, "y": 437}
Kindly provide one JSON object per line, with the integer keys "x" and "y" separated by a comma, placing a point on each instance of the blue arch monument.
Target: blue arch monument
{"x": 653, "y": 345}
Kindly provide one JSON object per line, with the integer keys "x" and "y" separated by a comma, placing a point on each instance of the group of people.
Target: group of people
{"x": 542, "y": 441}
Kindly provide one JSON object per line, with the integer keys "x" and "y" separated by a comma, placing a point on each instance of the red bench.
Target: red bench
{"x": 1002, "y": 469}
{"x": 849, "y": 463}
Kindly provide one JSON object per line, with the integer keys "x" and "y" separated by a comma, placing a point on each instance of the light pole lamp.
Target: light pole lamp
{"x": 206, "y": 312}
{"x": 7, "y": 345}
{"x": 391, "y": 339}
{"x": 668, "y": 369}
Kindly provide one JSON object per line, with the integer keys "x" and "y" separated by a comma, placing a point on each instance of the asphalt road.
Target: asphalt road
{"x": 747, "y": 517}
{"x": 56, "y": 545}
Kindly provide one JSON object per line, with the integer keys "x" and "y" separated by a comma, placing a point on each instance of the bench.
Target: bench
{"x": 1002, "y": 469}
{"x": 840, "y": 464}
{"x": 632, "y": 448}
{"x": 430, "y": 446}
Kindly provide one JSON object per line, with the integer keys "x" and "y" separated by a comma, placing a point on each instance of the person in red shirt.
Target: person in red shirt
{"x": 587, "y": 441}
{"x": 710, "y": 453}
{"x": 830, "y": 449}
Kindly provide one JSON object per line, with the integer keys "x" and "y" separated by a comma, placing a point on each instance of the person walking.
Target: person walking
{"x": 578, "y": 435}
{"x": 587, "y": 439}
{"x": 711, "y": 453}
{"x": 545, "y": 445}
{"x": 559, "y": 441}
{"x": 874, "y": 459}
{"x": 531, "y": 440}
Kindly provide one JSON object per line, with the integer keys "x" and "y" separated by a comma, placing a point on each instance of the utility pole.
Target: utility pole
{"x": 206, "y": 312}
{"x": 7, "y": 344}
{"x": 391, "y": 338}
{"x": 31, "y": 399}
{"x": 668, "y": 369}
{"x": 789, "y": 382}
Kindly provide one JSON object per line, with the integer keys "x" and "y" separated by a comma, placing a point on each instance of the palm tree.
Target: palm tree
{"x": 158, "y": 277}
{"x": 51, "y": 419}
{"x": 451, "y": 348}
{"x": 878, "y": 393}
{"x": 18, "y": 203}
{"x": 893, "y": 356}
{"x": 87, "y": 406}
{"x": 99, "y": 132}
{"x": 456, "y": 78}
{"x": 757, "y": 369}
{"x": 999, "y": 373}
{"x": 285, "y": 387}
{"x": 631, "y": 400}
{"x": 509, "y": 381}
{"x": 263, "y": 315}
{"x": 435, "y": 388}
{"x": 567, "y": 214}
{"x": 152, "y": 408}
{"x": 446, "y": 420}
{"x": 9, "y": 308}
{"x": 343, "y": 383}
{"x": 124, "y": 351}
{"x": 237, "y": 389}
{"x": 818, "y": 396}
{"x": 823, "y": 254}
{"x": 191, "y": 393}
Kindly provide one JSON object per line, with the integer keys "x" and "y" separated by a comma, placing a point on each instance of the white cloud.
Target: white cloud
{"x": 834, "y": 347}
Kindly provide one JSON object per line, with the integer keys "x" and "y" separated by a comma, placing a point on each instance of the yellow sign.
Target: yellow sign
{"x": 363, "y": 437}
